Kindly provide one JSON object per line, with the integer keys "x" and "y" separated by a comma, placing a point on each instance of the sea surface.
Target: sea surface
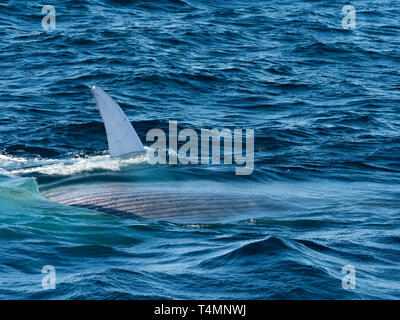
{"x": 324, "y": 103}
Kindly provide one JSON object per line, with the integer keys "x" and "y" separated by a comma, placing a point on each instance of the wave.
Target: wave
{"x": 247, "y": 253}
{"x": 20, "y": 189}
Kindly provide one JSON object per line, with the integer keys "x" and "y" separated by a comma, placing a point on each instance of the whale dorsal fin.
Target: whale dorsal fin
{"x": 121, "y": 136}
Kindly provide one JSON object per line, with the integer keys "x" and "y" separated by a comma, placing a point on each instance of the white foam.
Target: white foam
{"x": 13, "y": 166}
{"x": 9, "y": 160}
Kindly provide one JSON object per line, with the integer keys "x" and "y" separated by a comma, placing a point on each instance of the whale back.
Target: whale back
{"x": 159, "y": 203}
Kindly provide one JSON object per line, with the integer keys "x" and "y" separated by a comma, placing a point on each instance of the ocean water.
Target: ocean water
{"x": 324, "y": 105}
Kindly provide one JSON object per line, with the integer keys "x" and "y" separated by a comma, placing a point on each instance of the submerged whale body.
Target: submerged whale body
{"x": 159, "y": 202}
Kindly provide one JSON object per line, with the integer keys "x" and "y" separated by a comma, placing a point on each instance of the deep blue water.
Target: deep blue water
{"x": 324, "y": 104}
